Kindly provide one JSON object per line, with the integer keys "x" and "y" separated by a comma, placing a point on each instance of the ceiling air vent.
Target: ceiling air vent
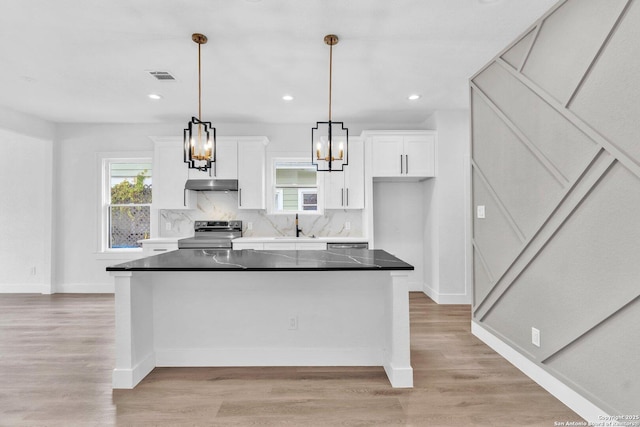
{"x": 162, "y": 75}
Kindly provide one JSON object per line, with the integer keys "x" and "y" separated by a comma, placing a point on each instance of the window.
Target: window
{"x": 296, "y": 187}
{"x": 126, "y": 215}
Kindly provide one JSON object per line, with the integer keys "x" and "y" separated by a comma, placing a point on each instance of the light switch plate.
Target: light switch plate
{"x": 480, "y": 211}
{"x": 535, "y": 337}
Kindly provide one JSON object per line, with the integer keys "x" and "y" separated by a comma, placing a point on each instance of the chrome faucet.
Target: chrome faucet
{"x": 298, "y": 229}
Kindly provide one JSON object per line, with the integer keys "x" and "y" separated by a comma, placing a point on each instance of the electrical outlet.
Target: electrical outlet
{"x": 293, "y": 323}
{"x": 480, "y": 212}
{"x": 347, "y": 225}
{"x": 249, "y": 226}
{"x": 33, "y": 270}
{"x": 535, "y": 337}
{"x": 167, "y": 226}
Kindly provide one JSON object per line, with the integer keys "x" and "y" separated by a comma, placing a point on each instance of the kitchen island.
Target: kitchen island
{"x": 195, "y": 307}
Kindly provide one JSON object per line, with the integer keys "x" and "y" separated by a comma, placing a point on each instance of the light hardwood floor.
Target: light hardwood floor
{"x": 56, "y": 357}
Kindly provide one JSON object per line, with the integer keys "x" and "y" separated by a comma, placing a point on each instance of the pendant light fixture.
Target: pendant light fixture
{"x": 329, "y": 140}
{"x": 199, "y": 136}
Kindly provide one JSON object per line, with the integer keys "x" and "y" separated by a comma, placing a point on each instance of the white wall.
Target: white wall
{"x": 25, "y": 203}
{"x": 80, "y": 266}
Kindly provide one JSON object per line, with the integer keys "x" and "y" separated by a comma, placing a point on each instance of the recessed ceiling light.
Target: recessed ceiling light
{"x": 287, "y": 98}
{"x": 154, "y": 96}
{"x": 413, "y": 97}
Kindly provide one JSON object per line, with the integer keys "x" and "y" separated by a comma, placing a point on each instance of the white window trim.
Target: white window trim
{"x": 272, "y": 159}
{"x": 103, "y": 159}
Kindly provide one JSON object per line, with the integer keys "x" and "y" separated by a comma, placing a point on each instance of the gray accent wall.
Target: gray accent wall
{"x": 556, "y": 163}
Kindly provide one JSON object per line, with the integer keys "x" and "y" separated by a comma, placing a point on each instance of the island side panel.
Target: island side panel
{"x": 135, "y": 356}
{"x": 397, "y": 357}
{"x": 318, "y": 318}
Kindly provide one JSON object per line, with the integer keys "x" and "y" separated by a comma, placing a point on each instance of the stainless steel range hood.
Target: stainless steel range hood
{"x": 211, "y": 185}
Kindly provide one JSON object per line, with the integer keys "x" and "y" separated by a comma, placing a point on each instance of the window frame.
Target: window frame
{"x": 272, "y": 189}
{"x": 104, "y": 162}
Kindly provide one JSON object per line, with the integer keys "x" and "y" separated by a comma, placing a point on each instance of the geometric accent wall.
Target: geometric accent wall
{"x": 556, "y": 163}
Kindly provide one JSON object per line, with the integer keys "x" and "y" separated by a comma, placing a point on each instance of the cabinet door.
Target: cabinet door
{"x": 419, "y": 156}
{"x": 226, "y": 159}
{"x": 354, "y": 176}
{"x": 169, "y": 176}
{"x": 388, "y": 156}
{"x": 251, "y": 174}
{"x": 311, "y": 246}
{"x": 334, "y": 197}
{"x": 226, "y": 164}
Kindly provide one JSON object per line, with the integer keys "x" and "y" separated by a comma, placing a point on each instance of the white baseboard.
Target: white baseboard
{"x": 293, "y": 356}
{"x": 446, "y": 298}
{"x": 84, "y": 288}
{"x": 578, "y": 403}
{"x": 129, "y": 378}
{"x": 24, "y": 288}
{"x": 399, "y": 377}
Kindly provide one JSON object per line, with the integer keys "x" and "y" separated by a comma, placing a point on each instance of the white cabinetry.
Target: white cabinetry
{"x": 247, "y": 245}
{"x": 345, "y": 190}
{"x": 151, "y": 247}
{"x": 170, "y": 173}
{"x": 251, "y": 172}
{"x": 402, "y": 154}
{"x": 274, "y": 245}
{"x": 226, "y": 164}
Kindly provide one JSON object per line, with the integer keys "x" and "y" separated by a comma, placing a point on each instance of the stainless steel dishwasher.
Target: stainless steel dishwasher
{"x": 356, "y": 245}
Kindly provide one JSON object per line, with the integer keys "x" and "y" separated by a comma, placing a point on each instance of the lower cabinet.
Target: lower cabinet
{"x": 281, "y": 246}
{"x": 311, "y": 246}
{"x": 155, "y": 248}
{"x": 243, "y": 245}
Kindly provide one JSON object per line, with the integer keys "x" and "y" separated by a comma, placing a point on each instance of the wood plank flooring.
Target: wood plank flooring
{"x": 56, "y": 357}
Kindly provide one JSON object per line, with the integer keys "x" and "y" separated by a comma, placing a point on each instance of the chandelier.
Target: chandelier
{"x": 199, "y": 136}
{"x": 329, "y": 140}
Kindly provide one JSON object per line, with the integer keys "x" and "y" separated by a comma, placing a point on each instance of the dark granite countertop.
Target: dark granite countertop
{"x": 266, "y": 260}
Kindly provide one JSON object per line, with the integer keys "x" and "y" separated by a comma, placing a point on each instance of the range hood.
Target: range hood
{"x": 211, "y": 185}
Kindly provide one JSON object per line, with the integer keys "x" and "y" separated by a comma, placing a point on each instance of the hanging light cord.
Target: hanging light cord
{"x": 199, "y": 85}
{"x": 330, "y": 76}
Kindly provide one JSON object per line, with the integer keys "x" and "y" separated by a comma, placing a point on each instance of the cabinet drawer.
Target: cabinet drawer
{"x": 149, "y": 249}
{"x": 254, "y": 246}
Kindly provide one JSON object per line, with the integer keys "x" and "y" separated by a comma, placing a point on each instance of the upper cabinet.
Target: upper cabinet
{"x": 345, "y": 190}
{"x": 402, "y": 154}
{"x": 252, "y": 153}
{"x": 226, "y": 165}
{"x": 170, "y": 172}
{"x": 241, "y": 158}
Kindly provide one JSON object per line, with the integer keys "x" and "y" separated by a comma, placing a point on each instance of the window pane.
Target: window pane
{"x": 293, "y": 179}
{"x": 130, "y": 183}
{"x": 127, "y": 225}
{"x": 310, "y": 198}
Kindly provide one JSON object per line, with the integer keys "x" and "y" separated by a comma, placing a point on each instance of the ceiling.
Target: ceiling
{"x": 89, "y": 60}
